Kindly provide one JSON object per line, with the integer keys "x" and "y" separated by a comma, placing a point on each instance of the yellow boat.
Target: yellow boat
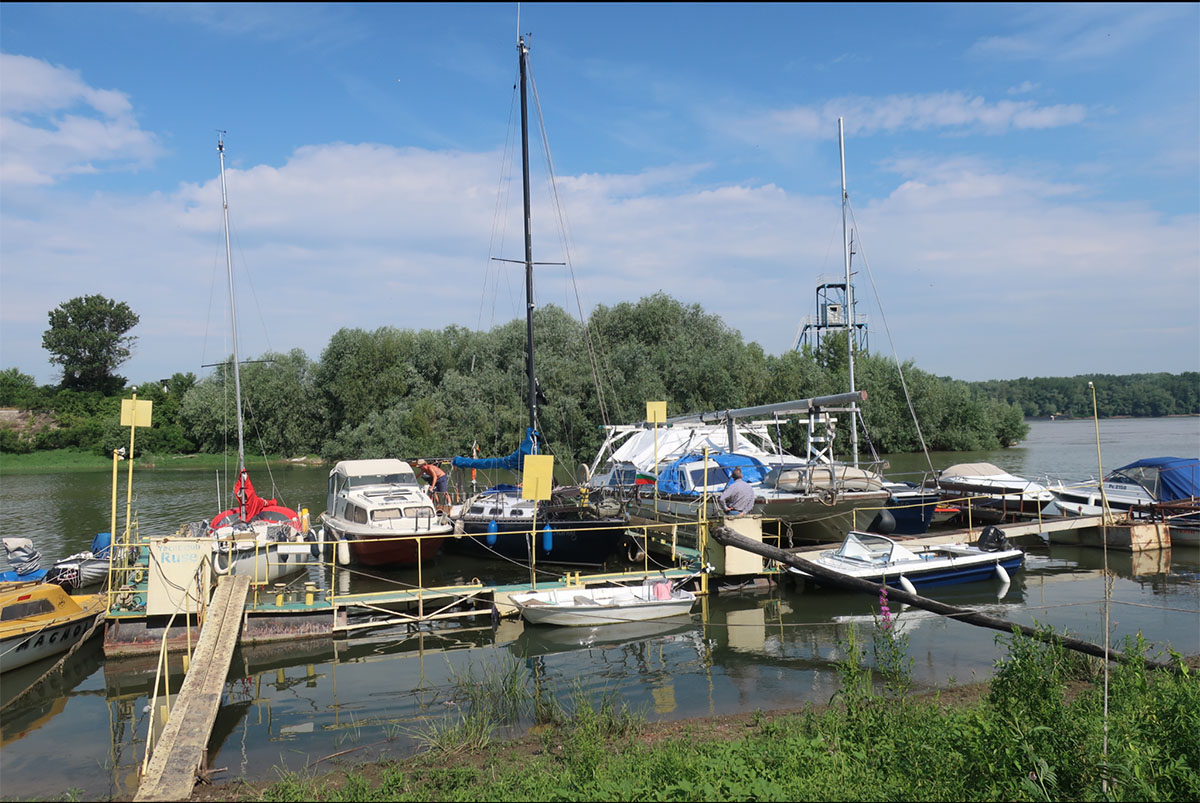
{"x": 38, "y": 620}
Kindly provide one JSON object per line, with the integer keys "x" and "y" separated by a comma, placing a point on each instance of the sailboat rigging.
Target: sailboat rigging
{"x": 499, "y": 521}
{"x": 248, "y": 535}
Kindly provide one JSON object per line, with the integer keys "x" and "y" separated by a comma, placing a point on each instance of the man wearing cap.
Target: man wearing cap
{"x": 437, "y": 480}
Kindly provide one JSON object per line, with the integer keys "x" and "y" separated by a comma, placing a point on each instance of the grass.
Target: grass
{"x": 1037, "y": 733}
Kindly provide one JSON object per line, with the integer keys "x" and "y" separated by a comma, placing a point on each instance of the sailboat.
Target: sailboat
{"x": 571, "y": 529}
{"x": 247, "y": 537}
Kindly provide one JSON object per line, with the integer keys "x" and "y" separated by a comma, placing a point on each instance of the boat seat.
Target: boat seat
{"x": 582, "y": 600}
{"x": 535, "y": 601}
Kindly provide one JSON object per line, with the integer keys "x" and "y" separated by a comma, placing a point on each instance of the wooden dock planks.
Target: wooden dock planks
{"x": 171, "y": 773}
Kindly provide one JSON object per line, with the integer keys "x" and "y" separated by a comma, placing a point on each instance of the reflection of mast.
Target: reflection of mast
{"x": 237, "y": 376}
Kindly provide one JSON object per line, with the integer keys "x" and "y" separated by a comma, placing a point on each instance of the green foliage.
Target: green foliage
{"x": 17, "y": 389}
{"x": 87, "y": 337}
{"x": 405, "y": 393}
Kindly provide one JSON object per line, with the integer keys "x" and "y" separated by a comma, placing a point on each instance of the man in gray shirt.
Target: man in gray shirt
{"x": 738, "y": 496}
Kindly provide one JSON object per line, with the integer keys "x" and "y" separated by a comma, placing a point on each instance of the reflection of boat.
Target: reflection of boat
{"x": 1154, "y": 487}
{"x": 34, "y": 694}
{"x": 38, "y": 620}
{"x": 379, "y": 516}
{"x": 546, "y": 640}
{"x": 566, "y": 527}
{"x": 603, "y": 605}
{"x": 880, "y": 559}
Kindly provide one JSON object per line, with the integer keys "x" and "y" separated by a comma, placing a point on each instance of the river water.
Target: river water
{"x": 758, "y": 647}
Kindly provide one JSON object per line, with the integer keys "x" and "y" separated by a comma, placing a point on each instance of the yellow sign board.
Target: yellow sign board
{"x": 537, "y": 476}
{"x": 135, "y": 413}
{"x": 656, "y": 412}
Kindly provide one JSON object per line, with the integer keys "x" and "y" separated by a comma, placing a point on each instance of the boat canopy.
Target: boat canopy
{"x": 511, "y": 462}
{"x": 1178, "y": 477}
{"x": 674, "y": 477}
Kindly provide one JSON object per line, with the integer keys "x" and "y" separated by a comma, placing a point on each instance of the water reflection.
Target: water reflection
{"x": 302, "y": 704}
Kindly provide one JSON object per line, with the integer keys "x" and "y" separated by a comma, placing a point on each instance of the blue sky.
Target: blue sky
{"x": 1025, "y": 179}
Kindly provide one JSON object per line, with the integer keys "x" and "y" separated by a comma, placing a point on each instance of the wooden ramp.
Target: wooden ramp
{"x": 180, "y": 751}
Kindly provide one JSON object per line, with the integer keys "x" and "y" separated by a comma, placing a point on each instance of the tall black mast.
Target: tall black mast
{"x": 524, "y": 54}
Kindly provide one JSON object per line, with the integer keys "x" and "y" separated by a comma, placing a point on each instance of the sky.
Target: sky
{"x": 1023, "y": 179}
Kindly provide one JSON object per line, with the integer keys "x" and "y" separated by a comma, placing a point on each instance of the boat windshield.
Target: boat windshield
{"x": 865, "y": 546}
{"x": 363, "y": 480}
{"x": 717, "y": 476}
{"x": 1145, "y": 476}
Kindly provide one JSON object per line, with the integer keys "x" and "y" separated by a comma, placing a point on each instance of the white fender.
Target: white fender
{"x": 343, "y": 553}
{"x": 907, "y": 585}
{"x": 1002, "y": 574}
{"x": 216, "y": 562}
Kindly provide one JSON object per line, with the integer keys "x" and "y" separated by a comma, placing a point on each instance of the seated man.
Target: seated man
{"x": 738, "y": 496}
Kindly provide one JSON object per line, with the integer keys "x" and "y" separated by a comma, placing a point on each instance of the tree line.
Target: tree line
{"x": 404, "y": 393}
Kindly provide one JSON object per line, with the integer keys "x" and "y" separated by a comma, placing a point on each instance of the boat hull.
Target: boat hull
{"x": 578, "y": 607}
{"x": 579, "y": 542}
{"x": 28, "y": 639}
{"x": 389, "y": 550}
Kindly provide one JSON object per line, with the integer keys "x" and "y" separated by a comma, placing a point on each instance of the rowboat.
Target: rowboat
{"x": 579, "y": 606}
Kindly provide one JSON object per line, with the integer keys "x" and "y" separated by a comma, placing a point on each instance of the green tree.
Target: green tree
{"x": 87, "y": 337}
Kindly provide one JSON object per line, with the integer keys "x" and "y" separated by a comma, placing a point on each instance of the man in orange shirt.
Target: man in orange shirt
{"x": 437, "y": 480}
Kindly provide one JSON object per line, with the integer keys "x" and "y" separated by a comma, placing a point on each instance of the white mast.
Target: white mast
{"x": 237, "y": 376}
{"x": 850, "y": 316}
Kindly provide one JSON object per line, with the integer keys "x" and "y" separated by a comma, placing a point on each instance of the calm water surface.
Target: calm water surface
{"x": 758, "y": 647}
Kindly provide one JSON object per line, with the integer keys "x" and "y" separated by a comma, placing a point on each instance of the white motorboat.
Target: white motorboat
{"x": 880, "y": 559}
{"x": 607, "y": 605}
{"x": 990, "y": 487}
{"x": 378, "y": 515}
{"x": 1163, "y": 488}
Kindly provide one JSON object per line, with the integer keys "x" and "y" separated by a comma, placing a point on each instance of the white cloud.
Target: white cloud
{"x": 983, "y": 273}
{"x": 1082, "y": 31}
{"x": 951, "y": 111}
{"x": 53, "y": 124}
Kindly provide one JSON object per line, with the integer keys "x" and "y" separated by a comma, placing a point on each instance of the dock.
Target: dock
{"x": 181, "y": 751}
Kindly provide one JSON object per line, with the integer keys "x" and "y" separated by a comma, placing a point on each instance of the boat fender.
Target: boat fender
{"x": 884, "y": 523}
{"x": 907, "y": 585}
{"x": 1002, "y": 573}
{"x": 343, "y": 552}
{"x": 216, "y": 562}
{"x": 547, "y": 538}
{"x": 459, "y": 529}
{"x": 493, "y": 530}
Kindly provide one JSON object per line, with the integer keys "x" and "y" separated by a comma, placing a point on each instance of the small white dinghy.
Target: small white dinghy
{"x": 654, "y": 599}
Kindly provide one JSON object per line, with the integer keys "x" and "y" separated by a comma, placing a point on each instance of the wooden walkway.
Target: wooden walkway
{"x": 181, "y": 749}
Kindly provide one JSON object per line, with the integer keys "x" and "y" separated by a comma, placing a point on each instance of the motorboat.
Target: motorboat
{"x": 75, "y": 572}
{"x": 604, "y": 605}
{"x": 990, "y": 488}
{"x": 378, "y": 515}
{"x": 881, "y": 559}
{"x": 913, "y": 507}
{"x": 39, "y": 620}
{"x": 1162, "y": 488}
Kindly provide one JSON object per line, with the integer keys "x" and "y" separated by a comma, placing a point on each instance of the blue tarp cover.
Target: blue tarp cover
{"x": 671, "y": 478}
{"x": 510, "y": 463}
{"x": 1179, "y": 477}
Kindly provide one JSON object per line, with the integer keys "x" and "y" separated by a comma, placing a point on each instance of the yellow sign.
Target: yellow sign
{"x": 135, "y": 413}
{"x": 537, "y": 476}
{"x": 656, "y": 412}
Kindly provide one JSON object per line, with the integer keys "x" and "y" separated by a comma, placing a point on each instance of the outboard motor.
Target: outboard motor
{"x": 22, "y": 556}
{"x": 992, "y": 539}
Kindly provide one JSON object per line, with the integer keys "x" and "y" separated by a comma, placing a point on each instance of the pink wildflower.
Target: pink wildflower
{"x": 885, "y": 613}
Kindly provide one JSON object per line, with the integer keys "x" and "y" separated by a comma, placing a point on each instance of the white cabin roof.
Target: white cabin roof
{"x": 356, "y": 468}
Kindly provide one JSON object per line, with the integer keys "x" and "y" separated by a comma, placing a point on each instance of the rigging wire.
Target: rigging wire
{"x": 565, "y": 238}
{"x": 899, "y": 369}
